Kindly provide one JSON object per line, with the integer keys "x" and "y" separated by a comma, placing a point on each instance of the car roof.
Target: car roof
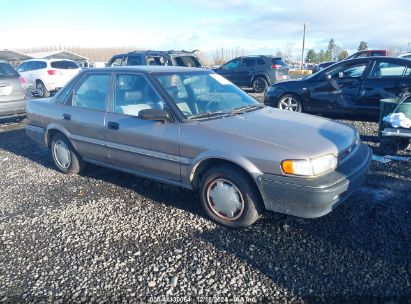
{"x": 48, "y": 59}
{"x": 170, "y": 52}
{"x": 151, "y": 69}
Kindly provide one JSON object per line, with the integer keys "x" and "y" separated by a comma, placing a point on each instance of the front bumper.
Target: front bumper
{"x": 315, "y": 197}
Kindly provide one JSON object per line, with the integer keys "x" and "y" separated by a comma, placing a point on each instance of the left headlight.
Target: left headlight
{"x": 309, "y": 167}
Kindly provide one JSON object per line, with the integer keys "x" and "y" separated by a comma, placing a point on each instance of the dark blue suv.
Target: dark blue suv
{"x": 257, "y": 72}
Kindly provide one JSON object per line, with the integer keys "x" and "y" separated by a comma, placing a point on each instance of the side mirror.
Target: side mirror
{"x": 154, "y": 114}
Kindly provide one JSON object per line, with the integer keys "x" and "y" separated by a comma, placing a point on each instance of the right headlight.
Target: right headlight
{"x": 309, "y": 167}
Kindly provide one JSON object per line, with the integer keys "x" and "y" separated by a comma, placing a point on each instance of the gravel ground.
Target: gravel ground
{"x": 105, "y": 236}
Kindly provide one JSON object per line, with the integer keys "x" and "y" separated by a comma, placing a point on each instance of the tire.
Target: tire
{"x": 388, "y": 146}
{"x": 290, "y": 102}
{"x": 66, "y": 159}
{"x": 41, "y": 89}
{"x": 259, "y": 84}
{"x": 220, "y": 184}
{"x": 404, "y": 143}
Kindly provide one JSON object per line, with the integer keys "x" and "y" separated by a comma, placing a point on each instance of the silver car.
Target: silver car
{"x": 194, "y": 129}
{"x": 13, "y": 91}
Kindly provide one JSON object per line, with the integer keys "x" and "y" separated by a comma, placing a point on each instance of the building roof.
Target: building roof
{"x": 61, "y": 54}
{"x": 10, "y": 55}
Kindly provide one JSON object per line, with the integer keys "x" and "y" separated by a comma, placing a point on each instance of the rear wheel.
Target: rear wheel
{"x": 229, "y": 198}
{"x": 41, "y": 89}
{"x": 290, "y": 102}
{"x": 65, "y": 157}
{"x": 260, "y": 84}
{"x": 388, "y": 146}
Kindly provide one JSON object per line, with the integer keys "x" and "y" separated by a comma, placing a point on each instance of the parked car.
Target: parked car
{"x": 13, "y": 91}
{"x": 47, "y": 76}
{"x": 405, "y": 56}
{"x": 192, "y": 128}
{"x": 351, "y": 86}
{"x": 323, "y": 65}
{"x": 368, "y": 53}
{"x": 257, "y": 72}
{"x": 178, "y": 58}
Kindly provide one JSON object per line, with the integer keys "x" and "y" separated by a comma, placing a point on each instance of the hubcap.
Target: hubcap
{"x": 289, "y": 104}
{"x": 224, "y": 199}
{"x": 40, "y": 90}
{"x": 62, "y": 154}
{"x": 258, "y": 85}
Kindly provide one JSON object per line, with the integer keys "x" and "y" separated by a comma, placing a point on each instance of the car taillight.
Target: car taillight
{"x": 23, "y": 82}
{"x": 54, "y": 72}
{"x": 276, "y": 66}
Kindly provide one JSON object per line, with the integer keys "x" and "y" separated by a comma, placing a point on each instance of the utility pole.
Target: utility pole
{"x": 302, "y": 53}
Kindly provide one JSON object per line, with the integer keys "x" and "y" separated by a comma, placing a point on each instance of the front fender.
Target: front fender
{"x": 233, "y": 158}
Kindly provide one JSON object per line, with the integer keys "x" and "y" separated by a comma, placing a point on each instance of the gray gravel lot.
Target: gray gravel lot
{"x": 106, "y": 236}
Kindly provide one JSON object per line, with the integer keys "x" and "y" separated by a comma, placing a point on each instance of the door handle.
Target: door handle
{"x": 113, "y": 125}
{"x": 66, "y": 116}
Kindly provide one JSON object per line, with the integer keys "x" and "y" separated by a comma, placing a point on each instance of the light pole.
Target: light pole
{"x": 302, "y": 53}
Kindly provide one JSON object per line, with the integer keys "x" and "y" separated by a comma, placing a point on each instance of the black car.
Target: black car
{"x": 177, "y": 58}
{"x": 257, "y": 72}
{"x": 351, "y": 86}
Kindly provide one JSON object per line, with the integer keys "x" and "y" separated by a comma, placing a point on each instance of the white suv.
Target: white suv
{"x": 45, "y": 76}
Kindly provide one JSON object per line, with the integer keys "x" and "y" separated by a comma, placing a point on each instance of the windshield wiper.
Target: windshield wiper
{"x": 247, "y": 108}
{"x": 210, "y": 115}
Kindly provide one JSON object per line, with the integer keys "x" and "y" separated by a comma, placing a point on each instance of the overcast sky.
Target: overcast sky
{"x": 255, "y": 26}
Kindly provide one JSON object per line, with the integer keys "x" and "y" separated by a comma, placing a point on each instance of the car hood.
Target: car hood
{"x": 305, "y": 135}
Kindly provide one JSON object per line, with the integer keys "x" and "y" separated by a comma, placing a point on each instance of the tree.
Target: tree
{"x": 322, "y": 56}
{"x": 363, "y": 46}
{"x": 311, "y": 56}
{"x": 343, "y": 54}
{"x": 331, "y": 50}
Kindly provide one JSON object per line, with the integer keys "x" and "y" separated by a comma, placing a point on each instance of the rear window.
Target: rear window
{"x": 64, "y": 64}
{"x": 279, "y": 62}
{"x": 188, "y": 61}
{"x": 6, "y": 70}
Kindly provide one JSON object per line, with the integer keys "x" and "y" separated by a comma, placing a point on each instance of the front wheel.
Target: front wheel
{"x": 259, "y": 84}
{"x": 290, "y": 102}
{"x": 65, "y": 157}
{"x": 404, "y": 143}
{"x": 388, "y": 146}
{"x": 229, "y": 198}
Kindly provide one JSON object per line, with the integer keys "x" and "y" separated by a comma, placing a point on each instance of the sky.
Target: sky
{"x": 258, "y": 27}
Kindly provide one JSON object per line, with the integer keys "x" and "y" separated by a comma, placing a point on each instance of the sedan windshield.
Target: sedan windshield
{"x": 206, "y": 95}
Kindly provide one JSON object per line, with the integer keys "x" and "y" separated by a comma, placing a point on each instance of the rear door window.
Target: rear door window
{"x": 247, "y": 62}
{"x": 385, "y": 69}
{"x": 64, "y": 64}
{"x": 92, "y": 92}
{"x": 134, "y": 60}
{"x": 37, "y": 65}
{"x": 6, "y": 71}
{"x": 188, "y": 61}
